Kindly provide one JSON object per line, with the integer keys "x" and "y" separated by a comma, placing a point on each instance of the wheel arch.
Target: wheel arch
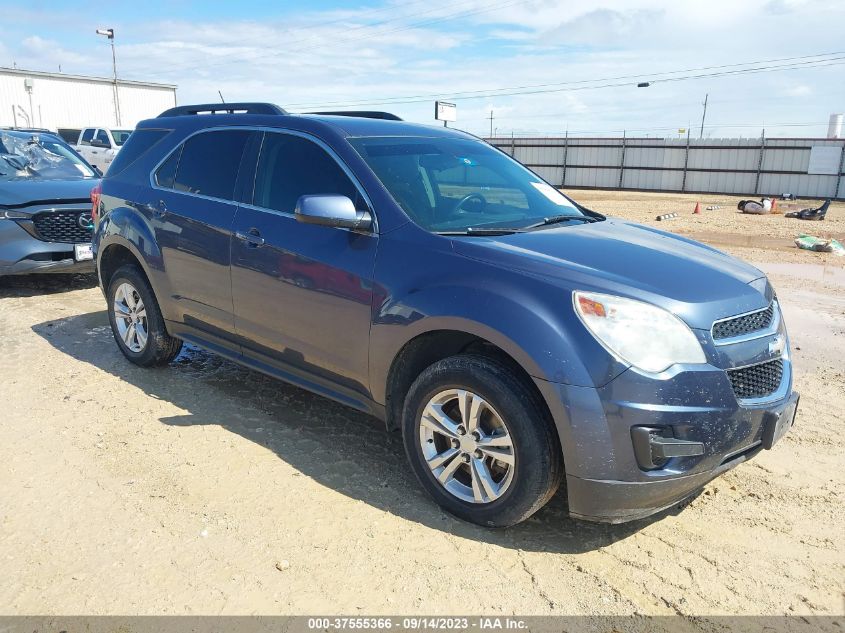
{"x": 115, "y": 254}
{"x": 428, "y": 347}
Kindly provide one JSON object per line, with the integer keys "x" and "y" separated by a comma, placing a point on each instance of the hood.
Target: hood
{"x": 696, "y": 282}
{"x": 22, "y": 192}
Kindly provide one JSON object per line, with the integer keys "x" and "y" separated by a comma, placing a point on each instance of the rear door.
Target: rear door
{"x": 302, "y": 293}
{"x": 192, "y": 207}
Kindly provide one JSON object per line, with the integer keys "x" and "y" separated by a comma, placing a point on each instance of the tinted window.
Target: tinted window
{"x": 103, "y": 137}
{"x": 166, "y": 174}
{"x": 209, "y": 163}
{"x": 87, "y": 135}
{"x": 291, "y": 166}
{"x": 137, "y": 144}
{"x": 70, "y": 135}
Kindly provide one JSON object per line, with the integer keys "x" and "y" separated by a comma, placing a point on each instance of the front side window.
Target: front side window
{"x": 454, "y": 184}
{"x": 87, "y": 135}
{"x": 291, "y": 166}
{"x": 103, "y": 137}
{"x": 209, "y": 163}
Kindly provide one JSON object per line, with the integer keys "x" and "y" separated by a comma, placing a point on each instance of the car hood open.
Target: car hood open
{"x": 695, "y": 281}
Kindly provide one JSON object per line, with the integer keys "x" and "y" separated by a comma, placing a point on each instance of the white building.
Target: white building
{"x": 56, "y": 100}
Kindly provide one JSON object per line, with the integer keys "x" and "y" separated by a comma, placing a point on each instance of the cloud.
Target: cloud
{"x": 798, "y": 91}
{"x": 321, "y": 58}
{"x": 604, "y": 28}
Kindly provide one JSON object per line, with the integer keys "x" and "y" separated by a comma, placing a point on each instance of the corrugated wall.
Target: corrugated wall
{"x": 729, "y": 165}
{"x": 78, "y": 102}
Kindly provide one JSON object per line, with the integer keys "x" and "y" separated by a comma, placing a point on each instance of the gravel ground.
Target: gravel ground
{"x": 205, "y": 488}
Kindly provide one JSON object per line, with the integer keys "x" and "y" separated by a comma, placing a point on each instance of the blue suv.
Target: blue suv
{"x": 519, "y": 341}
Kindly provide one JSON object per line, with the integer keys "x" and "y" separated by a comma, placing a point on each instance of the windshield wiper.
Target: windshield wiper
{"x": 483, "y": 230}
{"x": 557, "y": 219}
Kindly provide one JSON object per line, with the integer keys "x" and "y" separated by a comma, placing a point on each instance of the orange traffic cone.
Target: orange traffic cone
{"x": 697, "y": 207}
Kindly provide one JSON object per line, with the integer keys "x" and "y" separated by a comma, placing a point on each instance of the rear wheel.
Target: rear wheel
{"x": 480, "y": 442}
{"x": 136, "y": 320}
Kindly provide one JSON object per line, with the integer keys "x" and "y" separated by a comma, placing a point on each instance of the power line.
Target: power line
{"x": 618, "y": 77}
{"x": 579, "y": 85}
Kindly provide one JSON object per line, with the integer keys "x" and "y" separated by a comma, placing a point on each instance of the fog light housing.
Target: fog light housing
{"x": 655, "y": 446}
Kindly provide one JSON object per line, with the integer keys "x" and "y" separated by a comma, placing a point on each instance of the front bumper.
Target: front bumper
{"x": 605, "y": 480}
{"x": 21, "y": 253}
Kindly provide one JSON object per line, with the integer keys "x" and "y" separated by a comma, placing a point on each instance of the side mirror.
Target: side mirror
{"x": 332, "y": 210}
{"x": 95, "y": 142}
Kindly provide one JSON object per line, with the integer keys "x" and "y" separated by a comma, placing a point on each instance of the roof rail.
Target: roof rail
{"x": 223, "y": 108}
{"x": 364, "y": 114}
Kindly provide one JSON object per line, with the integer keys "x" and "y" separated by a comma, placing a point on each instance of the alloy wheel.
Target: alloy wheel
{"x": 130, "y": 316}
{"x": 467, "y": 446}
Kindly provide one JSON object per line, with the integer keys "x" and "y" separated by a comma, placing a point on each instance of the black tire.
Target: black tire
{"x": 538, "y": 466}
{"x": 160, "y": 348}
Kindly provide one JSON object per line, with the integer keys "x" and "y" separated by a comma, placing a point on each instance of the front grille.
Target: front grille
{"x": 62, "y": 226}
{"x": 744, "y": 324}
{"x": 756, "y": 381}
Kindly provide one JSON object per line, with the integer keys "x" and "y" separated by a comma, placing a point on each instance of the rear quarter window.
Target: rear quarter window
{"x": 138, "y": 144}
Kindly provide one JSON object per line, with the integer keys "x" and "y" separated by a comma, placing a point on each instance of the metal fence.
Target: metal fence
{"x": 753, "y": 167}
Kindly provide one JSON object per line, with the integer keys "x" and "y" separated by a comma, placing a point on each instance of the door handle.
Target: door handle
{"x": 253, "y": 238}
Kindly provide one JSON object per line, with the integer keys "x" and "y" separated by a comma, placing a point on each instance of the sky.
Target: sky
{"x": 542, "y": 67}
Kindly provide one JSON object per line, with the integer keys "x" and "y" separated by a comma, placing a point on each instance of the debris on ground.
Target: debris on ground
{"x": 755, "y": 208}
{"x": 817, "y": 214}
{"x": 818, "y": 244}
{"x": 666, "y": 216}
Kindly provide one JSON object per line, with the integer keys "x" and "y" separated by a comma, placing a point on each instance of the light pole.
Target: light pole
{"x": 109, "y": 33}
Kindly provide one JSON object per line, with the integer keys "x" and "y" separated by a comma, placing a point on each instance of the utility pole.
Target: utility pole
{"x": 109, "y": 33}
{"x": 703, "y": 114}
{"x": 491, "y": 124}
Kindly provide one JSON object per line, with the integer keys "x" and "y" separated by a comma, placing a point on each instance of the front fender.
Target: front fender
{"x": 529, "y": 318}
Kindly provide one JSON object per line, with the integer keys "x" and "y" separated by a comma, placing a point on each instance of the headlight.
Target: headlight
{"x": 13, "y": 215}
{"x": 638, "y": 333}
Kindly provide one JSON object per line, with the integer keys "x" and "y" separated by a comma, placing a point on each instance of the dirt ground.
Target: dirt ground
{"x": 204, "y": 488}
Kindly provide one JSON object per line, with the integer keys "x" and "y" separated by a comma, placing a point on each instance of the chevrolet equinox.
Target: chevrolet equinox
{"x": 519, "y": 341}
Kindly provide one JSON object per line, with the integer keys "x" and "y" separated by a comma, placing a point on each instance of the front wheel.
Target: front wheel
{"x": 480, "y": 441}
{"x": 136, "y": 320}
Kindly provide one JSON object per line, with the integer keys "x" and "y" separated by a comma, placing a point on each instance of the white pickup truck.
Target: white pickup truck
{"x": 99, "y": 145}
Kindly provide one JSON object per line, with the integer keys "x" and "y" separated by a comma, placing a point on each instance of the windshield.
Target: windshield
{"x": 455, "y": 185}
{"x": 34, "y": 155}
{"x": 120, "y": 136}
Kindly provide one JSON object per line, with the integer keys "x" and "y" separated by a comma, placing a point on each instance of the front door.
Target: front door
{"x": 302, "y": 293}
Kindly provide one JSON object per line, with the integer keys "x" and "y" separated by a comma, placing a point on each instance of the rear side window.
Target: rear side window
{"x": 290, "y": 166}
{"x": 209, "y": 163}
{"x": 166, "y": 174}
{"x": 87, "y": 135}
{"x": 138, "y": 144}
